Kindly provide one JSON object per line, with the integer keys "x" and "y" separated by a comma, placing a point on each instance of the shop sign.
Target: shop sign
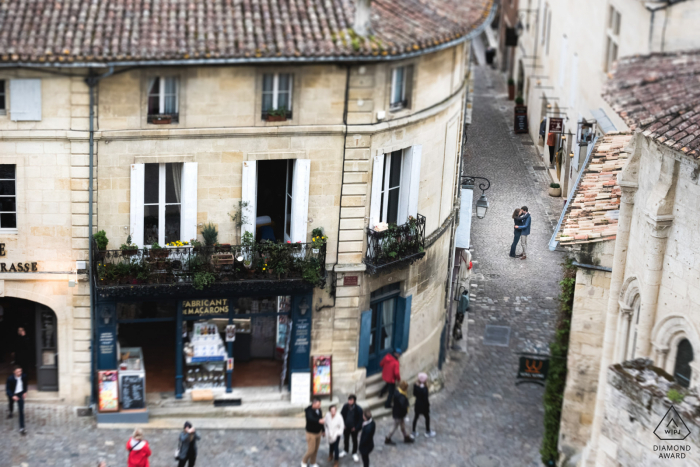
{"x": 301, "y": 333}
{"x": 533, "y": 369}
{"x": 108, "y": 389}
{"x": 322, "y": 374}
{"x": 556, "y": 125}
{"x": 106, "y": 337}
{"x": 217, "y": 306}
{"x": 349, "y": 280}
{"x": 16, "y": 267}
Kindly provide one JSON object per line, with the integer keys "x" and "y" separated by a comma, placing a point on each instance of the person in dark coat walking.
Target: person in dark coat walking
{"x": 16, "y": 390}
{"x": 399, "y": 412}
{"x": 524, "y": 229}
{"x": 367, "y": 437}
{"x": 352, "y": 416}
{"x": 422, "y": 406}
{"x": 188, "y": 446}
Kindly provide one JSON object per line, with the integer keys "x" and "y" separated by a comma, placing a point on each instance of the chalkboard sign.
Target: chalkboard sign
{"x": 133, "y": 392}
{"x": 520, "y": 123}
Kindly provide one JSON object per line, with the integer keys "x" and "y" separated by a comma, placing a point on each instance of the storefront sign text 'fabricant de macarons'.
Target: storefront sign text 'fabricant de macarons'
{"x": 16, "y": 267}
{"x": 205, "y": 307}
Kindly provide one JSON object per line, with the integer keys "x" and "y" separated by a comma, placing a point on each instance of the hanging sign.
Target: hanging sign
{"x": 556, "y": 125}
{"x": 533, "y": 369}
{"x": 322, "y": 376}
{"x": 108, "y": 389}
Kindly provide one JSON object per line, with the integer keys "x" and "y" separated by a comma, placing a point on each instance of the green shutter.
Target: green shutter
{"x": 402, "y": 324}
{"x": 365, "y": 331}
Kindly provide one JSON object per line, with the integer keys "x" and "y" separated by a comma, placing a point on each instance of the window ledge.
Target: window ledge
{"x": 8, "y": 232}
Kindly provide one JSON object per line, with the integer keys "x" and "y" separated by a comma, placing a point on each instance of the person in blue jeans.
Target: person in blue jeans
{"x": 518, "y": 220}
{"x": 16, "y": 390}
{"x": 524, "y": 229}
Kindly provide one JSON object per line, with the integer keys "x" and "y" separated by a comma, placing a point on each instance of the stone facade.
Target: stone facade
{"x": 219, "y": 128}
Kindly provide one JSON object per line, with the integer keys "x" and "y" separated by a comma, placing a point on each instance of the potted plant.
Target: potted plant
{"x": 554, "y": 189}
{"x": 158, "y": 251}
{"x": 511, "y": 89}
{"x": 128, "y": 248}
{"x": 519, "y": 101}
{"x": 102, "y": 241}
{"x": 196, "y": 244}
{"x": 177, "y": 244}
{"x": 276, "y": 115}
{"x": 210, "y": 234}
{"x": 317, "y": 240}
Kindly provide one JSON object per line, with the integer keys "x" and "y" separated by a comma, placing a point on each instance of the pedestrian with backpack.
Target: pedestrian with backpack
{"x": 138, "y": 448}
{"x": 399, "y": 412}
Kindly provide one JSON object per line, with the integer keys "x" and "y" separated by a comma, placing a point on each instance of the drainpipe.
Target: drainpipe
{"x": 92, "y": 81}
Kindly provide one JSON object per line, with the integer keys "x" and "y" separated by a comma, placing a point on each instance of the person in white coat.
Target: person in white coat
{"x": 334, "y": 426}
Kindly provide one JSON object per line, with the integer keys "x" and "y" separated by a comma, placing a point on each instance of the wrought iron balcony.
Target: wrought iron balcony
{"x": 396, "y": 246}
{"x": 194, "y": 270}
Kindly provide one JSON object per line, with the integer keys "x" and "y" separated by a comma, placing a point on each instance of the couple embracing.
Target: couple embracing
{"x": 522, "y": 220}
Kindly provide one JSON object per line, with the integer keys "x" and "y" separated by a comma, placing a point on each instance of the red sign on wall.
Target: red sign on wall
{"x": 349, "y": 280}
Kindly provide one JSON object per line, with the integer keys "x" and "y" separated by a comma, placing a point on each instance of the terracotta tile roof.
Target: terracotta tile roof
{"x": 591, "y": 216}
{"x": 660, "y": 94}
{"x": 156, "y": 30}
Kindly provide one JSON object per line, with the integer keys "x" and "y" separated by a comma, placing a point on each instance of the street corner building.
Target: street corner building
{"x": 274, "y": 196}
{"x": 631, "y": 225}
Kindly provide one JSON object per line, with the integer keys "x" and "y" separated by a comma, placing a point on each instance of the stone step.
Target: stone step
{"x": 374, "y": 388}
{"x": 260, "y": 408}
{"x": 223, "y": 423}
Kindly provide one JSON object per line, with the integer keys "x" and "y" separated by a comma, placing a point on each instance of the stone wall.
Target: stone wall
{"x": 636, "y": 403}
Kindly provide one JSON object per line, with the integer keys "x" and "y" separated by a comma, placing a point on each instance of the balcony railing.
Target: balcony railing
{"x": 396, "y": 246}
{"x": 201, "y": 267}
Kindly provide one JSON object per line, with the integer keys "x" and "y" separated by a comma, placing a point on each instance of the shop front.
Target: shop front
{"x": 199, "y": 345}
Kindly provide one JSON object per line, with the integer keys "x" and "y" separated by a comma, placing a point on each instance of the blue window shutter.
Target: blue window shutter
{"x": 402, "y": 324}
{"x": 25, "y": 100}
{"x": 365, "y": 331}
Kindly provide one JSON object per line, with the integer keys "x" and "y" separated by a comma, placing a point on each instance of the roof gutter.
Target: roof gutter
{"x": 262, "y": 60}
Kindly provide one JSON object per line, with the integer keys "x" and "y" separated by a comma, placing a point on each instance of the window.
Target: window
{"x": 162, "y": 100}
{"x": 395, "y": 185}
{"x": 277, "y": 95}
{"x": 632, "y": 333}
{"x": 8, "y": 199}
{"x": 162, "y": 203}
{"x": 26, "y": 100}
{"x": 401, "y": 83}
{"x": 682, "y": 370}
{"x": 613, "y": 37}
{"x": 3, "y": 105}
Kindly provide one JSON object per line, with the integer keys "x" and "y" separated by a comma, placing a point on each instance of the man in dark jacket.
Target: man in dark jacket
{"x": 524, "y": 229}
{"x": 352, "y": 417}
{"x": 314, "y": 431}
{"x": 367, "y": 437}
{"x": 188, "y": 446}
{"x": 16, "y": 390}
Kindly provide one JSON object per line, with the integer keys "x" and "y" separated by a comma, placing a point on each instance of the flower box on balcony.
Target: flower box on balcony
{"x": 395, "y": 245}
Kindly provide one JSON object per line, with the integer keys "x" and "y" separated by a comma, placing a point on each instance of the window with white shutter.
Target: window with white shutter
{"x": 395, "y": 186}
{"x": 25, "y": 96}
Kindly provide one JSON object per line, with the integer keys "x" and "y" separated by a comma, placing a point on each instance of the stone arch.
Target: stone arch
{"x": 631, "y": 287}
{"x": 666, "y": 336}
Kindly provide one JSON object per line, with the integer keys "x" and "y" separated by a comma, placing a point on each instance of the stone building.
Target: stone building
{"x": 634, "y": 240}
{"x": 263, "y": 123}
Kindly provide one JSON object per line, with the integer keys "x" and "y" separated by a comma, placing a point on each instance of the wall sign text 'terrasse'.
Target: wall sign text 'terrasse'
{"x": 16, "y": 267}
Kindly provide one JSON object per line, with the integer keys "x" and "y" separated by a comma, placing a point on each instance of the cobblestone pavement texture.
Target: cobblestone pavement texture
{"x": 481, "y": 417}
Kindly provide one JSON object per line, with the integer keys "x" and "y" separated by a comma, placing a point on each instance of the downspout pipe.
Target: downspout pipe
{"x": 92, "y": 80}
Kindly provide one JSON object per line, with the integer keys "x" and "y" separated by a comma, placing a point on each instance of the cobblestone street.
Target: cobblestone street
{"x": 481, "y": 418}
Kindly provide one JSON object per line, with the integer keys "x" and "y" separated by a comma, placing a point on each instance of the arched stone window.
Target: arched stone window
{"x": 682, "y": 371}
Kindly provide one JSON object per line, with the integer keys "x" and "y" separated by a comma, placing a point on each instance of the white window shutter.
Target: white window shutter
{"x": 25, "y": 100}
{"x": 248, "y": 195}
{"x": 188, "y": 217}
{"x": 405, "y": 183}
{"x": 375, "y": 203}
{"x": 300, "y": 199}
{"x": 136, "y": 212}
{"x": 414, "y": 184}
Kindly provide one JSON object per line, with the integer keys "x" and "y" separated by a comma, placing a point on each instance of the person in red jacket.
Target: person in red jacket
{"x": 390, "y": 375}
{"x": 138, "y": 448}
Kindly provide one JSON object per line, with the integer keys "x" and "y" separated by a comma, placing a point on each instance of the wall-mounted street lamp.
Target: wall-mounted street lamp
{"x": 482, "y": 204}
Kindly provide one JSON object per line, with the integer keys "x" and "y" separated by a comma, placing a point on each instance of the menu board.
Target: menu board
{"x": 322, "y": 382}
{"x": 520, "y": 123}
{"x": 299, "y": 393}
{"x": 108, "y": 388}
{"x": 133, "y": 392}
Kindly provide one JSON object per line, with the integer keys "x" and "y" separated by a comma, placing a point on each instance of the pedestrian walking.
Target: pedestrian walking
{"x": 390, "y": 374}
{"x": 187, "y": 446}
{"x": 524, "y": 229}
{"x": 352, "y": 417}
{"x": 518, "y": 220}
{"x": 314, "y": 431}
{"x": 422, "y": 406}
{"x": 399, "y": 413}
{"x": 367, "y": 437}
{"x": 334, "y": 426}
{"x": 138, "y": 448}
{"x": 16, "y": 390}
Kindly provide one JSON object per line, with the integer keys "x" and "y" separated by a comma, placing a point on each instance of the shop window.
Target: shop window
{"x": 395, "y": 185}
{"x": 26, "y": 100}
{"x": 277, "y": 95}
{"x": 8, "y": 199}
{"x": 276, "y": 199}
{"x": 163, "y": 202}
{"x": 612, "y": 38}
{"x": 146, "y": 310}
{"x": 401, "y": 87}
{"x": 3, "y": 101}
{"x": 163, "y": 100}
{"x": 682, "y": 370}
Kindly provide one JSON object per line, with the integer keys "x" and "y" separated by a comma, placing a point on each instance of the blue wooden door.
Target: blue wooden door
{"x": 381, "y": 334}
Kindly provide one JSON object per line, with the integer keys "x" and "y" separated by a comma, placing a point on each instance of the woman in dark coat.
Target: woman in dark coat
{"x": 518, "y": 221}
{"x": 367, "y": 437}
{"x": 422, "y": 405}
{"x": 188, "y": 446}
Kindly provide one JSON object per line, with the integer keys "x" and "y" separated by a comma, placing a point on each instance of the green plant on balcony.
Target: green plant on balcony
{"x": 210, "y": 234}
{"x": 203, "y": 279}
{"x": 101, "y": 240}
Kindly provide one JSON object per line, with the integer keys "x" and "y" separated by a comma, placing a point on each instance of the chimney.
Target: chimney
{"x": 362, "y": 17}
